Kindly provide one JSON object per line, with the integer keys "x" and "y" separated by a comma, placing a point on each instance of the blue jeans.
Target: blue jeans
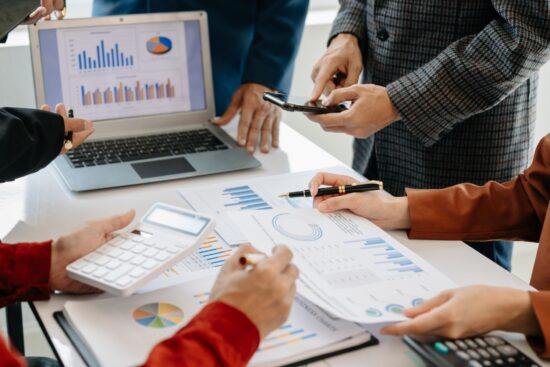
{"x": 498, "y": 251}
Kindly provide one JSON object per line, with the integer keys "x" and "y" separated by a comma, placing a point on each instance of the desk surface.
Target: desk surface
{"x": 51, "y": 210}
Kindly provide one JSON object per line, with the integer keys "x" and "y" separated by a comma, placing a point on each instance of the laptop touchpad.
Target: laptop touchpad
{"x": 164, "y": 167}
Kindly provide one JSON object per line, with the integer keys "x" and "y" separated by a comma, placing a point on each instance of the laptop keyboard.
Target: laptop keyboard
{"x": 103, "y": 152}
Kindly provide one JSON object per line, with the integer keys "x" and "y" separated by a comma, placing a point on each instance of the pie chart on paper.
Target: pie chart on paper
{"x": 159, "y": 45}
{"x": 158, "y": 315}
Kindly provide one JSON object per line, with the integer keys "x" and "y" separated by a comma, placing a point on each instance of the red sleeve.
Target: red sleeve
{"x": 24, "y": 272}
{"x": 219, "y": 335}
{"x": 9, "y": 358}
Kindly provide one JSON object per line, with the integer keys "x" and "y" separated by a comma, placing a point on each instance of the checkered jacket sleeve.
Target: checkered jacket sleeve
{"x": 475, "y": 73}
{"x": 350, "y": 19}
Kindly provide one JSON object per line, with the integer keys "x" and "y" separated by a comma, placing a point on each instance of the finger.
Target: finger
{"x": 36, "y": 15}
{"x": 353, "y": 75}
{"x": 336, "y": 203}
{"x": 45, "y": 107}
{"x": 327, "y": 120}
{"x": 231, "y": 111}
{"x": 244, "y": 124}
{"x": 48, "y": 5}
{"x": 266, "y": 133}
{"x": 322, "y": 78}
{"x": 58, "y": 4}
{"x": 428, "y": 305}
{"x": 424, "y": 324}
{"x": 115, "y": 222}
{"x": 341, "y": 95}
{"x": 280, "y": 259}
{"x": 292, "y": 272}
{"x": 60, "y": 109}
{"x": 275, "y": 127}
{"x": 77, "y": 125}
{"x": 337, "y": 129}
{"x": 329, "y": 87}
{"x": 329, "y": 179}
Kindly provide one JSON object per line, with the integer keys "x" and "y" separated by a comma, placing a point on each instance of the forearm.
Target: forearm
{"x": 29, "y": 141}
{"x": 219, "y": 335}
{"x": 278, "y": 26}
{"x": 475, "y": 73}
{"x": 24, "y": 272}
{"x": 350, "y": 19}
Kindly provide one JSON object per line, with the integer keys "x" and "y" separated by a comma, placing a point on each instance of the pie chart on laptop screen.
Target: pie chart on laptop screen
{"x": 159, "y": 45}
{"x": 158, "y": 315}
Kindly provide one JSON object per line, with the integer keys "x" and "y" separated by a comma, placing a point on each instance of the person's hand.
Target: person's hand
{"x": 371, "y": 111}
{"x": 259, "y": 119}
{"x": 45, "y": 10}
{"x": 470, "y": 311}
{"x": 264, "y": 294}
{"x": 343, "y": 56}
{"x": 79, "y": 243}
{"x": 81, "y": 128}
{"x": 386, "y": 211}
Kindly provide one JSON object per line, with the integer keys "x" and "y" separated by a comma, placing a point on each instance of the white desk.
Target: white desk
{"x": 52, "y": 210}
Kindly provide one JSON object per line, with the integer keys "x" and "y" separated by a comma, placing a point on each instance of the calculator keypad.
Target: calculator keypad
{"x": 485, "y": 351}
{"x": 125, "y": 259}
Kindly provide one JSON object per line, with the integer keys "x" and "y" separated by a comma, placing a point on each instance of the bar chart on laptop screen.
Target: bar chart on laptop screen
{"x": 125, "y": 70}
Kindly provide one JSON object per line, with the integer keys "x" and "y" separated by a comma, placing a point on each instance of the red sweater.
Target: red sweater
{"x": 219, "y": 335}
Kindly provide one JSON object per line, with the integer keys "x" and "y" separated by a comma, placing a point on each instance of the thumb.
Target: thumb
{"x": 232, "y": 110}
{"x": 116, "y": 222}
{"x": 338, "y": 203}
{"x": 77, "y": 125}
{"x": 341, "y": 95}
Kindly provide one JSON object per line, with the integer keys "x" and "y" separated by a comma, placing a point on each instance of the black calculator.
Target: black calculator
{"x": 480, "y": 351}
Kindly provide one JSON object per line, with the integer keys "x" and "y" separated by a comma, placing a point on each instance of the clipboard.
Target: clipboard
{"x": 14, "y": 13}
{"x": 88, "y": 357}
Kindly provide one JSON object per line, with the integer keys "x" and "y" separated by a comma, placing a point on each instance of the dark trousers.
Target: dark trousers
{"x": 499, "y": 252}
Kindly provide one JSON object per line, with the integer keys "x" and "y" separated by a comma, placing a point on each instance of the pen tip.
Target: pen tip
{"x": 283, "y": 195}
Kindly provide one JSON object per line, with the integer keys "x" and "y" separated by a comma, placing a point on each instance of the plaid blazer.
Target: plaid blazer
{"x": 462, "y": 74}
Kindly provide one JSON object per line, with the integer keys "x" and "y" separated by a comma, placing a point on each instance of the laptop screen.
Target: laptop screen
{"x": 124, "y": 70}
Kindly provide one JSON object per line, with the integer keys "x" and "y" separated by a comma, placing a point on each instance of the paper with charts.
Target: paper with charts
{"x": 254, "y": 194}
{"x": 143, "y": 320}
{"x": 348, "y": 266}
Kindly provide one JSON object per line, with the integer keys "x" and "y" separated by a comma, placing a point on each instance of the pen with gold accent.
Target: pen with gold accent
{"x": 337, "y": 190}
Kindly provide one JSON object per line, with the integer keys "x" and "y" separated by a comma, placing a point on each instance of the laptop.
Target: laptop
{"x": 146, "y": 82}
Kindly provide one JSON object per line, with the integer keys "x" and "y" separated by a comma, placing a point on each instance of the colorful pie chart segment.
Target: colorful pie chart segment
{"x": 159, "y": 45}
{"x": 158, "y": 315}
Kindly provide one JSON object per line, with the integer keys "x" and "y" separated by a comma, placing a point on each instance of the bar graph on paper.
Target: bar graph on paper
{"x": 122, "y": 93}
{"x": 285, "y": 335}
{"x": 243, "y": 198}
{"x": 210, "y": 255}
{"x": 386, "y": 257}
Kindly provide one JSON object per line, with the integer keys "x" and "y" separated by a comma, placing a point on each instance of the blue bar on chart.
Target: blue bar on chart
{"x": 387, "y": 256}
{"x": 244, "y": 198}
{"x": 286, "y": 334}
{"x": 104, "y": 59}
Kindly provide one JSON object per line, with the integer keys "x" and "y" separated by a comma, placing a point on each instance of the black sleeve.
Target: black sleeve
{"x": 29, "y": 141}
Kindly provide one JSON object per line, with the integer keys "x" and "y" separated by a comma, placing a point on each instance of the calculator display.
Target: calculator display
{"x": 177, "y": 221}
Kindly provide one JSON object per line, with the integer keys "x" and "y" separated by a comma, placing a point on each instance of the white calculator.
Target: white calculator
{"x": 165, "y": 235}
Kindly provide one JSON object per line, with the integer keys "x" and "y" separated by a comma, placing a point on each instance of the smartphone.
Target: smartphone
{"x": 301, "y": 104}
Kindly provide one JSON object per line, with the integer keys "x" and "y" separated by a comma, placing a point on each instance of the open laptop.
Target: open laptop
{"x": 146, "y": 82}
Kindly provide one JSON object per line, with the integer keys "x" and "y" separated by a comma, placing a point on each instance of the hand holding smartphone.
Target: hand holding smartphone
{"x": 293, "y": 104}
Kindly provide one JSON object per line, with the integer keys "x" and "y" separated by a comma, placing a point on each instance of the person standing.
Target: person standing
{"x": 253, "y": 44}
{"x": 449, "y": 91}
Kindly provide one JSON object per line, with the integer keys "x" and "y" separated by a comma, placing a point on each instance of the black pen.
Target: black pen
{"x": 68, "y": 139}
{"x": 337, "y": 190}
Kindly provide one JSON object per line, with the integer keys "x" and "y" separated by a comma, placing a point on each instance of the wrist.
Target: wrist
{"x": 393, "y": 112}
{"x": 522, "y": 318}
{"x": 345, "y": 38}
{"x": 401, "y": 208}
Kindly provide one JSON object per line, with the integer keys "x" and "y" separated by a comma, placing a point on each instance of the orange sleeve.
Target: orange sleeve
{"x": 513, "y": 210}
{"x": 541, "y": 306}
{"x": 219, "y": 335}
